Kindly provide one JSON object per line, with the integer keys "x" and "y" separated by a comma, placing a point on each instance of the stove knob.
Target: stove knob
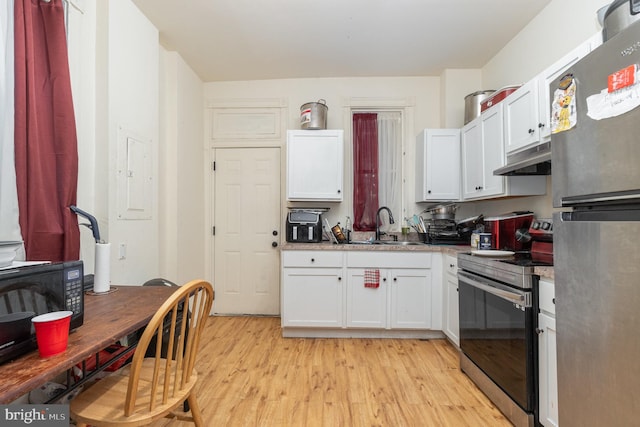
{"x": 535, "y": 225}
{"x": 546, "y": 226}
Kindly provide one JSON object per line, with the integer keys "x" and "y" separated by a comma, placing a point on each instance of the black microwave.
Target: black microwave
{"x": 31, "y": 290}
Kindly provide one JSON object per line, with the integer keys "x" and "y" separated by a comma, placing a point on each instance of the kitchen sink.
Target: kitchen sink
{"x": 394, "y": 243}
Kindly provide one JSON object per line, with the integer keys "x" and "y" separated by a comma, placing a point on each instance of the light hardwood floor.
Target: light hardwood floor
{"x": 249, "y": 375}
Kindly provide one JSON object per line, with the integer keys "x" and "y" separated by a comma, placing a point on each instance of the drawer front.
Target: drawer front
{"x": 312, "y": 259}
{"x": 451, "y": 265}
{"x": 386, "y": 259}
{"x": 547, "y": 297}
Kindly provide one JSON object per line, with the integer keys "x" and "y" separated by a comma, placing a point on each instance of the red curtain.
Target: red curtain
{"x": 46, "y": 153}
{"x": 365, "y": 169}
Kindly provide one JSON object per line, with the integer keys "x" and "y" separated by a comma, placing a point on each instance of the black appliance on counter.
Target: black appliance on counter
{"x": 30, "y": 290}
{"x": 446, "y": 232}
{"x": 304, "y": 225}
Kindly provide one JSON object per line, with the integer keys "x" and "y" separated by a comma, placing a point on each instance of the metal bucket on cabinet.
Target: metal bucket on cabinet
{"x": 472, "y": 104}
{"x": 313, "y": 115}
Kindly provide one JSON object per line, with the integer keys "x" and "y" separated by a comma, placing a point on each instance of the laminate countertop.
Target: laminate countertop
{"x": 543, "y": 272}
{"x": 327, "y": 246}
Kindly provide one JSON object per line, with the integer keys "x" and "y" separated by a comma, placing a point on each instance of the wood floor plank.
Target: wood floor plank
{"x": 249, "y": 375}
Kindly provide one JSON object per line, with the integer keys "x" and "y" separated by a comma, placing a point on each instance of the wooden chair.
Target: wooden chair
{"x": 153, "y": 387}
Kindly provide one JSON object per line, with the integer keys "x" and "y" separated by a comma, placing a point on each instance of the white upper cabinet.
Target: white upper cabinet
{"x": 549, "y": 75}
{"x": 493, "y": 151}
{"x": 521, "y": 117}
{"x": 472, "y": 162}
{"x": 527, "y": 111}
{"x": 483, "y": 151}
{"x": 438, "y": 165}
{"x": 315, "y": 161}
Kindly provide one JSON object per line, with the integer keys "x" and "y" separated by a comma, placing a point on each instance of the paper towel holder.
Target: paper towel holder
{"x": 102, "y": 261}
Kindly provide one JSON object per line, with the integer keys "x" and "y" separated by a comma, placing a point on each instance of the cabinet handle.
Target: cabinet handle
{"x": 339, "y": 278}
{"x": 451, "y": 265}
{"x": 539, "y": 331}
{"x": 274, "y": 244}
{"x": 540, "y": 125}
{"x": 384, "y": 279}
{"x": 339, "y": 191}
{"x": 428, "y": 191}
{"x": 313, "y": 260}
{"x": 553, "y": 301}
{"x": 395, "y": 279}
{"x": 274, "y": 232}
{"x": 531, "y": 131}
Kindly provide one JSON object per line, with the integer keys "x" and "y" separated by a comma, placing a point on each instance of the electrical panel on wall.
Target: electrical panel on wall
{"x": 134, "y": 176}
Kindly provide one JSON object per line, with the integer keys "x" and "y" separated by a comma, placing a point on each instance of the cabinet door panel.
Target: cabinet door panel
{"x": 492, "y": 151}
{"x": 452, "y": 321}
{"x": 549, "y": 75}
{"x": 315, "y": 165}
{"x": 312, "y": 297}
{"x": 438, "y": 165}
{"x": 521, "y": 117}
{"x": 410, "y": 298}
{"x": 366, "y": 307}
{"x": 548, "y": 375}
{"x": 471, "y": 159}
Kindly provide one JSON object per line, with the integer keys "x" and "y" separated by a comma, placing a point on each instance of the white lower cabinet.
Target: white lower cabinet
{"x": 312, "y": 289}
{"x": 326, "y": 289}
{"x": 547, "y": 363}
{"x": 451, "y": 304}
{"x": 402, "y": 300}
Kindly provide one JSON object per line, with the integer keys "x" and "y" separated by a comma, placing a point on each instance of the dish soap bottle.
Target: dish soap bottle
{"x": 347, "y": 229}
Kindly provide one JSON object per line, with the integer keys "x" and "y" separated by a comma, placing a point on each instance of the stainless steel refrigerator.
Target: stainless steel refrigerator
{"x": 596, "y": 181}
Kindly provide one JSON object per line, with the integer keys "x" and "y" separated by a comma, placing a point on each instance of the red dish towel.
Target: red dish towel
{"x": 372, "y": 278}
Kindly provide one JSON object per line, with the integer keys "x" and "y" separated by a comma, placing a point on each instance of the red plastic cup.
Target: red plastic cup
{"x": 52, "y": 332}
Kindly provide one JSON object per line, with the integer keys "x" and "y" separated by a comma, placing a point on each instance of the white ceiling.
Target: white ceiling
{"x": 271, "y": 39}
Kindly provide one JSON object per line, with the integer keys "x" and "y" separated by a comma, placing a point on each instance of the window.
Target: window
{"x": 377, "y": 166}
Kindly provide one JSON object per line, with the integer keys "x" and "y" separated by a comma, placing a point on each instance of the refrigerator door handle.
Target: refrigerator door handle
{"x": 620, "y": 197}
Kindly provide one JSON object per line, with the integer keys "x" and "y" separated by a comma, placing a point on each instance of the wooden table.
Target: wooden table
{"x": 107, "y": 318}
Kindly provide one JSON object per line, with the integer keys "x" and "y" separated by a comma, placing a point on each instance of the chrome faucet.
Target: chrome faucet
{"x": 391, "y": 221}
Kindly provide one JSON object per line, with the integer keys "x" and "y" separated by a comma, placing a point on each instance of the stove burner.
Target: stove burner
{"x": 530, "y": 259}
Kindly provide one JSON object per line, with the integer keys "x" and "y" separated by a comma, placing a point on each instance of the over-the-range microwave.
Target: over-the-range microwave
{"x": 31, "y": 290}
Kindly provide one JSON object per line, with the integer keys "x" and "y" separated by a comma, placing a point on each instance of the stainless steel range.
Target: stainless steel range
{"x": 498, "y": 318}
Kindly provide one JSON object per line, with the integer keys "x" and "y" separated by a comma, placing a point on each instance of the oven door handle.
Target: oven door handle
{"x": 496, "y": 289}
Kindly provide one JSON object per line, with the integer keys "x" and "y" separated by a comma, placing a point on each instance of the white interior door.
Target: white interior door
{"x": 246, "y": 264}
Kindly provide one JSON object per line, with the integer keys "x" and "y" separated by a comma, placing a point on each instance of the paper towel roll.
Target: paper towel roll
{"x": 101, "y": 278}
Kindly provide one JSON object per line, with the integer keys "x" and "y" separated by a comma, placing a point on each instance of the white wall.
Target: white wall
{"x": 81, "y": 26}
{"x": 424, "y": 93}
{"x": 560, "y": 27}
{"x": 182, "y": 172}
{"x": 127, "y": 104}
{"x": 455, "y": 85}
